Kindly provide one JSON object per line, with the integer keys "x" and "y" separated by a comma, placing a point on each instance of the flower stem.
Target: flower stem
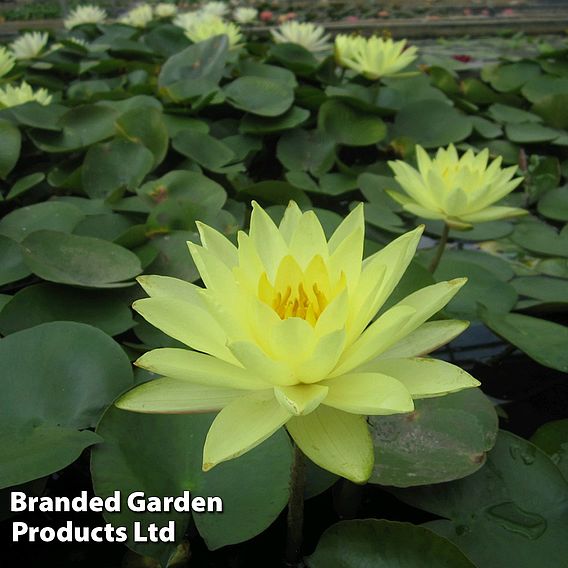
{"x": 440, "y": 249}
{"x": 296, "y": 510}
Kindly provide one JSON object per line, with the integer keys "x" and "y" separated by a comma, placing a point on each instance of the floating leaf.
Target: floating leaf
{"x": 82, "y": 261}
{"x": 426, "y": 447}
{"x": 384, "y": 544}
{"x": 303, "y": 150}
{"x": 10, "y": 144}
{"x": 259, "y": 95}
{"x": 543, "y": 341}
{"x": 512, "y": 512}
{"x": 57, "y": 379}
{"x": 142, "y": 452}
{"x": 552, "y": 438}
{"x": 349, "y": 126}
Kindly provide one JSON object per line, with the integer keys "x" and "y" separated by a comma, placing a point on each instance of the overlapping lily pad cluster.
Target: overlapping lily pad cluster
{"x": 123, "y": 141}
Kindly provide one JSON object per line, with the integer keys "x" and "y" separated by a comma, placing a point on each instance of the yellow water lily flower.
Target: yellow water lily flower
{"x": 86, "y": 14}
{"x": 203, "y": 27}
{"x": 310, "y": 36}
{"x": 165, "y": 10}
{"x": 373, "y": 57}
{"x": 460, "y": 191}
{"x": 29, "y": 45}
{"x": 7, "y": 61}
{"x": 11, "y": 96}
{"x": 283, "y": 335}
{"x": 138, "y": 17}
{"x": 244, "y": 15}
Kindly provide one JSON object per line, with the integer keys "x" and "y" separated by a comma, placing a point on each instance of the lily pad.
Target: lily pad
{"x": 512, "y": 512}
{"x": 542, "y": 238}
{"x": 13, "y": 267}
{"x": 543, "y": 341}
{"x": 552, "y": 438}
{"x": 554, "y": 204}
{"x": 81, "y": 261}
{"x": 425, "y": 447}
{"x": 50, "y": 392}
{"x": 43, "y": 303}
{"x": 384, "y": 544}
{"x": 431, "y": 124}
{"x": 142, "y": 452}
{"x": 259, "y": 95}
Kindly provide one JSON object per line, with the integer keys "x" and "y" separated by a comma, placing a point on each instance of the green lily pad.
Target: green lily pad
{"x": 541, "y": 340}
{"x": 349, "y": 126}
{"x": 104, "y": 172}
{"x": 49, "y": 215}
{"x": 142, "y": 452}
{"x": 259, "y": 95}
{"x": 540, "y": 87}
{"x": 552, "y": 438}
{"x": 510, "y": 77}
{"x": 542, "y": 238}
{"x": 173, "y": 257}
{"x": 10, "y": 145}
{"x": 81, "y": 261}
{"x": 43, "y": 303}
{"x": 549, "y": 290}
{"x": 508, "y": 114}
{"x": 482, "y": 290}
{"x": 252, "y": 124}
{"x": 206, "y": 150}
{"x": 13, "y": 267}
{"x": 554, "y": 204}
{"x": 50, "y": 392}
{"x": 24, "y": 184}
{"x": 425, "y": 446}
{"x": 309, "y": 151}
{"x": 512, "y": 512}
{"x": 431, "y": 124}
{"x": 384, "y": 544}
{"x": 553, "y": 108}
{"x": 530, "y": 132}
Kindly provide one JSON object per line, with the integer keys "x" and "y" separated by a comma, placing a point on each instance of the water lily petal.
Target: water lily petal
{"x": 267, "y": 240}
{"x": 290, "y": 221}
{"x": 218, "y": 244}
{"x": 323, "y": 358}
{"x": 301, "y": 399}
{"x": 493, "y": 214}
{"x": 187, "y": 323}
{"x": 257, "y": 361}
{"x": 335, "y": 440}
{"x": 368, "y": 393}
{"x": 174, "y": 288}
{"x": 427, "y": 338}
{"x": 175, "y": 396}
{"x": 353, "y": 222}
{"x": 199, "y": 368}
{"x": 242, "y": 425}
{"x": 425, "y": 378}
{"x": 308, "y": 239}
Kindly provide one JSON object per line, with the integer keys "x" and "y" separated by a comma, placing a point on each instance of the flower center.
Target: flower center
{"x": 296, "y": 293}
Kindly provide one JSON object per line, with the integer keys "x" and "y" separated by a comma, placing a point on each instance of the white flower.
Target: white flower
{"x": 245, "y": 15}
{"x": 188, "y": 19}
{"x": 7, "y": 61}
{"x": 165, "y": 10}
{"x": 211, "y": 26}
{"x": 219, "y": 9}
{"x": 138, "y": 17}
{"x": 29, "y": 45}
{"x": 312, "y": 37}
{"x": 87, "y": 14}
{"x": 11, "y": 96}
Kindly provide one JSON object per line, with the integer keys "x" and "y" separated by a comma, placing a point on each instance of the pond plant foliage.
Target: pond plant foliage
{"x": 351, "y": 205}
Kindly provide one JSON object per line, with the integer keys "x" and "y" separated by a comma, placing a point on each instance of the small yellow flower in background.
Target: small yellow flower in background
{"x": 245, "y": 15}
{"x": 7, "y": 61}
{"x": 87, "y": 14}
{"x": 218, "y": 9}
{"x": 13, "y": 96}
{"x": 165, "y": 10}
{"x": 29, "y": 45}
{"x": 460, "y": 191}
{"x": 373, "y": 57}
{"x": 138, "y": 17}
{"x": 206, "y": 26}
{"x": 283, "y": 335}
{"x": 186, "y": 20}
{"x": 310, "y": 36}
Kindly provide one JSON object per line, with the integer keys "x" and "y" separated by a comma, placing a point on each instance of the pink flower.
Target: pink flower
{"x": 351, "y": 19}
{"x": 383, "y": 14}
{"x": 485, "y": 12}
{"x": 508, "y": 12}
{"x": 266, "y": 16}
{"x": 467, "y": 12}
